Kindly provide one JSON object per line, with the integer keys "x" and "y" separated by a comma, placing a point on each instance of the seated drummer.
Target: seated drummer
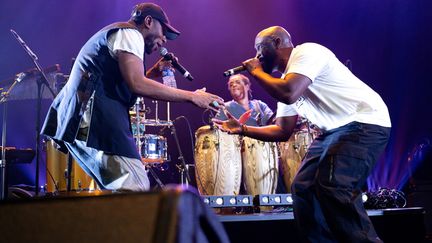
{"x": 239, "y": 87}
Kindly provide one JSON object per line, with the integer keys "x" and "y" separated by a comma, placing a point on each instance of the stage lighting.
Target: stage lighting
{"x": 364, "y": 197}
{"x": 273, "y": 200}
{"x": 228, "y": 201}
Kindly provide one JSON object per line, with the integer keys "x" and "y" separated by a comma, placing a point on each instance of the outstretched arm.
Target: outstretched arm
{"x": 133, "y": 73}
{"x": 281, "y": 131}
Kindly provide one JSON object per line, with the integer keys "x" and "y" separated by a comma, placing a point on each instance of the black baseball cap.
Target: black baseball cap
{"x": 144, "y": 9}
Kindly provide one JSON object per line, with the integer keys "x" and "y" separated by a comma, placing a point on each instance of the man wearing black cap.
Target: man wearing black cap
{"x": 90, "y": 115}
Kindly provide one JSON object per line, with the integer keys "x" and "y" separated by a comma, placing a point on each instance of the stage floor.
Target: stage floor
{"x": 290, "y": 215}
{"x": 392, "y": 225}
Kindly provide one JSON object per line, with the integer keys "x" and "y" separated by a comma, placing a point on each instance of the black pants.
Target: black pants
{"x": 327, "y": 189}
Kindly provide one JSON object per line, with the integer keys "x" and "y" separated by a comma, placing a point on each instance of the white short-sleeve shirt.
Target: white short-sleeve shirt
{"x": 335, "y": 97}
{"x": 129, "y": 40}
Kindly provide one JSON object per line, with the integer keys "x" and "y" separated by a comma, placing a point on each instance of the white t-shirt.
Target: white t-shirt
{"x": 129, "y": 40}
{"x": 335, "y": 97}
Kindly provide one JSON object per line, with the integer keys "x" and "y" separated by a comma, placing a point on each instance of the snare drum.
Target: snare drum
{"x": 217, "y": 162}
{"x": 260, "y": 166}
{"x": 154, "y": 149}
{"x": 56, "y": 176}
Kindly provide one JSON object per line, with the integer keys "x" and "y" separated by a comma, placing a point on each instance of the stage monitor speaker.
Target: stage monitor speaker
{"x": 172, "y": 215}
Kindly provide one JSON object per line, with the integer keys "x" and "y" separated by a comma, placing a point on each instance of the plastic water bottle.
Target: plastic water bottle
{"x": 168, "y": 77}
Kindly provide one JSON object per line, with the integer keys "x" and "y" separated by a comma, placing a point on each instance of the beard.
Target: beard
{"x": 268, "y": 62}
{"x": 268, "y": 66}
{"x": 149, "y": 44}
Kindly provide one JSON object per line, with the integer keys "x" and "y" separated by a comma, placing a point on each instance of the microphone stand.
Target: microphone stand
{"x": 3, "y": 163}
{"x": 183, "y": 168}
{"x": 41, "y": 81}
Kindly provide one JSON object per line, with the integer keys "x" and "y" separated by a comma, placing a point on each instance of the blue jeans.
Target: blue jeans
{"x": 327, "y": 188}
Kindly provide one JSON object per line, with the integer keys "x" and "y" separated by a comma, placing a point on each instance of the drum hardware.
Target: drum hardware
{"x": 68, "y": 174}
{"x": 153, "y": 148}
{"x": 206, "y": 143}
{"x": 155, "y": 176}
{"x": 79, "y": 185}
{"x": 184, "y": 180}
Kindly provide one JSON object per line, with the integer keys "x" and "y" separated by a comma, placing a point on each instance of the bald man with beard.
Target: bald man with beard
{"x": 353, "y": 118}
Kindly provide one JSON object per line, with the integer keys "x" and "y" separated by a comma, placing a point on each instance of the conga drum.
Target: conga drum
{"x": 260, "y": 166}
{"x": 56, "y": 176}
{"x": 217, "y": 162}
{"x": 292, "y": 153}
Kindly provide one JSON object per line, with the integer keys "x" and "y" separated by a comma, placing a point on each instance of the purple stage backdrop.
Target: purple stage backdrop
{"x": 386, "y": 43}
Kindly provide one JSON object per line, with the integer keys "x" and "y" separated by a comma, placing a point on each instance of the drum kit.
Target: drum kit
{"x": 223, "y": 161}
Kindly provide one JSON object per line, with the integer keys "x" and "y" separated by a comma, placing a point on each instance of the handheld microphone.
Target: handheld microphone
{"x": 233, "y": 71}
{"x": 169, "y": 56}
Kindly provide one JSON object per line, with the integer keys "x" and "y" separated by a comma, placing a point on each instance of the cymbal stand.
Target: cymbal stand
{"x": 3, "y": 162}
